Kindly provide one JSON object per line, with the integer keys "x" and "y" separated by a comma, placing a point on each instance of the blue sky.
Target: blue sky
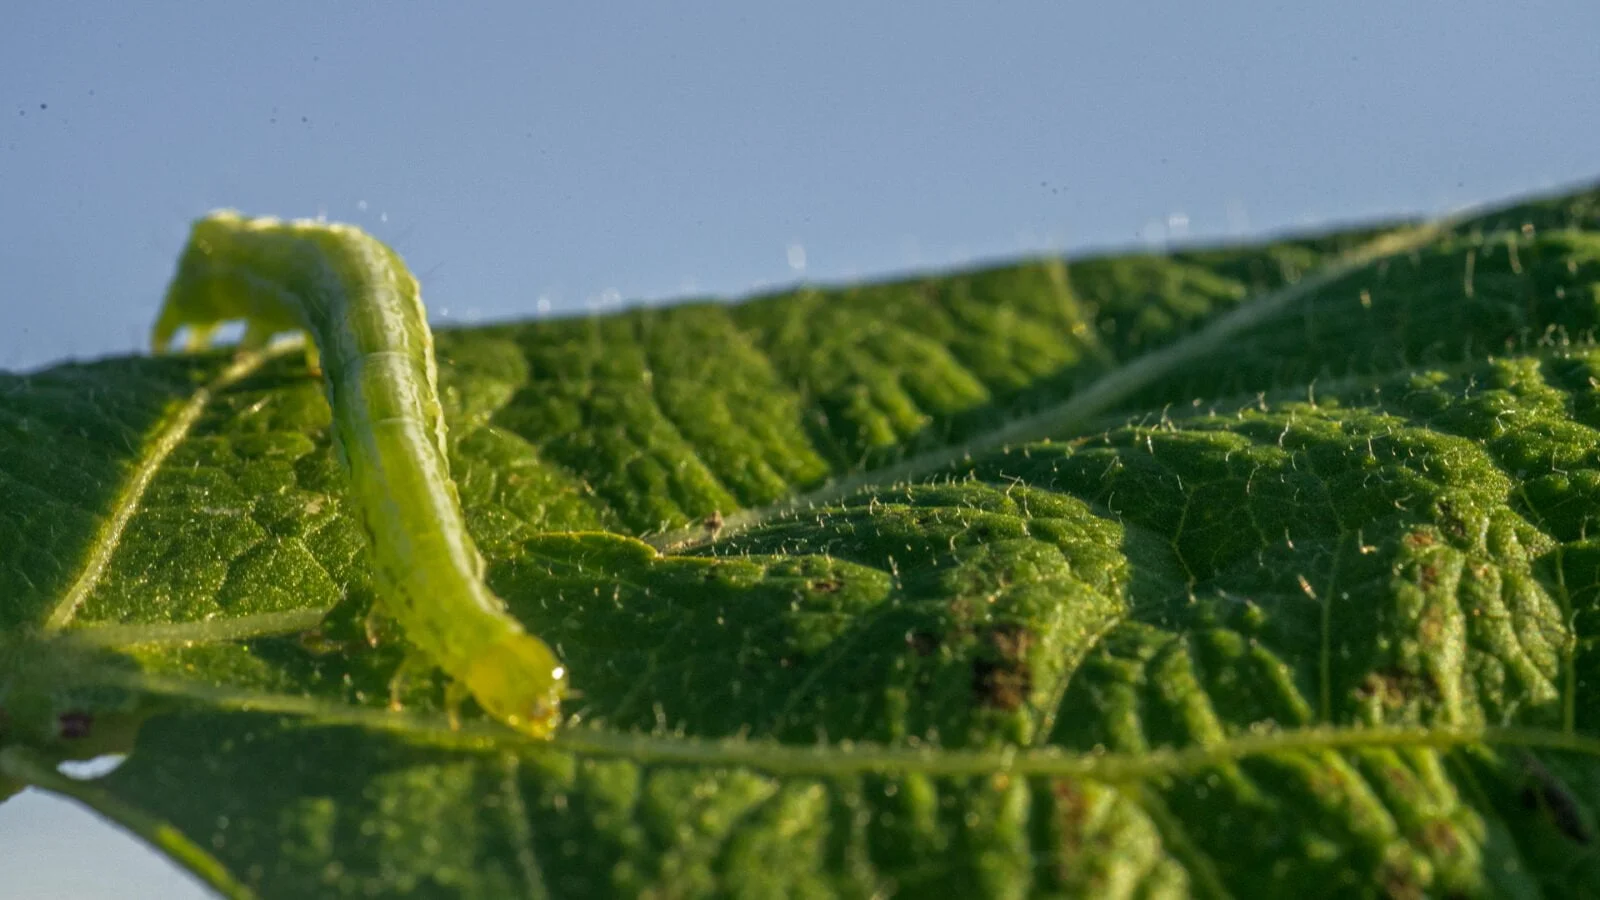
{"x": 530, "y": 162}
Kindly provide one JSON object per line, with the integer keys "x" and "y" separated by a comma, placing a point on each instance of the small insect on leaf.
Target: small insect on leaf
{"x": 371, "y": 344}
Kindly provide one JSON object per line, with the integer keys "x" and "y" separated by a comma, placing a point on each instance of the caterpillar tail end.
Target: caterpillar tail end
{"x": 183, "y": 310}
{"x": 519, "y": 681}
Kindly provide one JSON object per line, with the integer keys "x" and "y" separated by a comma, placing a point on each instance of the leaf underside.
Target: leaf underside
{"x": 1252, "y": 571}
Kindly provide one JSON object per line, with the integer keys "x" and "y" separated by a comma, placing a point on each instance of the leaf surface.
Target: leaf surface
{"x": 1248, "y": 571}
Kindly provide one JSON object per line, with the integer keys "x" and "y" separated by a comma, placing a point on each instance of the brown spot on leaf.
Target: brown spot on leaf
{"x": 1401, "y": 780}
{"x": 1450, "y": 522}
{"x": 74, "y": 725}
{"x": 1394, "y": 687}
{"x": 922, "y": 642}
{"x": 827, "y": 585}
{"x": 1000, "y": 685}
{"x": 1004, "y": 680}
{"x": 1012, "y": 641}
{"x": 1418, "y": 539}
{"x": 1441, "y": 837}
{"x": 1071, "y": 815}
{"x": 961, "y": 610}
{"x": 1427, "y": 576}
{"x": 1400, "y": 883}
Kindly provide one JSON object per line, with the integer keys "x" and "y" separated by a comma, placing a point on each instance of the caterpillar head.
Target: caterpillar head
{"x": 519, "y": 680}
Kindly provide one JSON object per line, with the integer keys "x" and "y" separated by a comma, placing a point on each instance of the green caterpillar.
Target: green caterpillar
{"x": 370, "y": 339}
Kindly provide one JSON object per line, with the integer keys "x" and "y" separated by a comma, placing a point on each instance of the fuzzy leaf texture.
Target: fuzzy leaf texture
{"x": 1248, "y": 572}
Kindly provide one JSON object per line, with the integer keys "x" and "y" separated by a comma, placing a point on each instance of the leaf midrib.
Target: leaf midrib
{"x": 845, "y": 758}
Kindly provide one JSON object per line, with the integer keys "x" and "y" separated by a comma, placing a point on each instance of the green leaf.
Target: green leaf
{"x": 1252, "y": 571}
